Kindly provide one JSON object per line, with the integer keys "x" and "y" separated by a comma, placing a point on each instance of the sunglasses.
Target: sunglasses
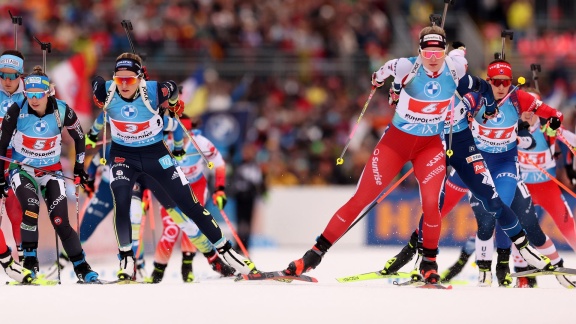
{"x": 37, "y": 95}
{"x": 430, "y": 54}
{"x": 501, "y": 82}
{"x": 128, "y": 80}
{"x": 11, "y": 76}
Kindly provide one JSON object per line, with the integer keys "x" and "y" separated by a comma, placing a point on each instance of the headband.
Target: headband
{"x": 36, "y": 81}
{"x": 500, "y": 68}
{"x": 128, "y": 64}
{"x": 12, "y": 62}
{"x": 432, "y": 40}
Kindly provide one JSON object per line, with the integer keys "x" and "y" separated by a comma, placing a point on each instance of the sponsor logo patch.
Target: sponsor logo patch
{"x": 31, "y": 214}
{"x": 479, "y": 167}
{"x": 473, "y": 158}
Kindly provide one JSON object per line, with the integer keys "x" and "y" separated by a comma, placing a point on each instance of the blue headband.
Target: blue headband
{"x": 12, "y": 62}
{"x": 128, "y": 64}
{"x": 36, "y": 81}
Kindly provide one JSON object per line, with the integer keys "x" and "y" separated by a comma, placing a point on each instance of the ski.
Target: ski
{"x": 275, "y": 275}
{"x": 110, "y": 282}
{"x": 34, "y": 282}
{"x": 434, "y": 286}
{"x": 539, "y": 272}
{"x": 421, "y": 284}
{"x": 372, "y": 276}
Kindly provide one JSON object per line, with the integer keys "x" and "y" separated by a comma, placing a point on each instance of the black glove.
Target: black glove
{"x": 571, "y": 173}
{"x": 80, "y": 176}
{"x": 554, "y": 123}
{"x": 3, "y": 188}
{"x": 459, "y": 45}
{"x": 491, "y": 110}
{"x": 179, "y": 154}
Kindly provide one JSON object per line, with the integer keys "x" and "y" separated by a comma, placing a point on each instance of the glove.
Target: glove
{"x": 393, "y": 97}
{"x": 145, "y": 72}
{"x": 547, "y": 129}
{"x": 489, "y": 113}
{"x": 97, "y": 102}
{"x": 80, "y": 176}
{"x": 571, "y": 173}
{"x": 554, "y": 123}
{"x": 219, "y": 198}
{"x": 526, "y": 142}
{"x": 459, "y": 45}
{"x": 177, "y": 108}
{"x": 179, "y": 154}
{"x": 375, "y": 82}
{"x": 89, "y": 187}
{"x": 91, "y": 140}
{"x": 3, "y": 188}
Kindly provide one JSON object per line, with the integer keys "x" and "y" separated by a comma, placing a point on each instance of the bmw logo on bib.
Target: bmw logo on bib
{"x": 129, "y": 112}
{"x": 5, "y": 105}
{"x": 498, "y": 120}
{"x": 432, "y": 89}
{"x": 40, "y": 127}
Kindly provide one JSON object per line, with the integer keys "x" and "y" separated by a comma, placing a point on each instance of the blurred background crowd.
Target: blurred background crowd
{"x": 299, "y": 71}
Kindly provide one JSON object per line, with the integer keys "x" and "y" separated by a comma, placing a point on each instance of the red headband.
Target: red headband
{"x": 500, "y": 68}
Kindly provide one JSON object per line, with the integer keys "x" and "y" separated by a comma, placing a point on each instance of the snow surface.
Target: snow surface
{"x": 213, "y": 300}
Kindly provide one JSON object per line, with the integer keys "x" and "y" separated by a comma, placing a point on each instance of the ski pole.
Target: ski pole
{"x": 527, "y": 158}
{"x": 340, "y": 160}
{"x": 209, "y": 164}
{"x": 76, "y": 192}
{"x": 57, "y": 255}
{"x": 504, "y": 34}
{"x": 535, "y": 67}
{"x": 565, "y": 141}
{"x": 16, "y": 21}
{"x": 446, "y": 4}
{"x": 376, "y": 202}
{"x": 236, "y": 237}
{"x": 46, "y": 47}
{"x": 127, "y": 25}
{"x": 449, "y": 151}
{"x": 3, "y": 158}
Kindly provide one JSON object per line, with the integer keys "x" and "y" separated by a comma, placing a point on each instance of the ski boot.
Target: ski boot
{"x": 62, "y": 262}
{"x": 562, "y": 279}
{"x": 187, "y": 274}
{"x": 403, "y": 257}
{"x": 157, "y": 274}
{"x": 485, "y": 273}
{"x": 20, "y": 254}
{"x": 429, "y": 271}
{"x": 218, "y": 265}
{"x": 530, "y": 254}
{"x": 13, "y": 269}
{"x": 127, "y": 265}
{"x": 456, "y": 268}
{"x": 237, "y": 261}
{"x": 311, "y": 258}
{"x": 83, "y": 270}
{"x": 31, "y": 261}
{"x": 525, "y": 282}
{"x": 503, "y": 268}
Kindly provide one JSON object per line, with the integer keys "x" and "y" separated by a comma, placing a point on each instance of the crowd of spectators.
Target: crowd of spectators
{"x": 302, "y": 120}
